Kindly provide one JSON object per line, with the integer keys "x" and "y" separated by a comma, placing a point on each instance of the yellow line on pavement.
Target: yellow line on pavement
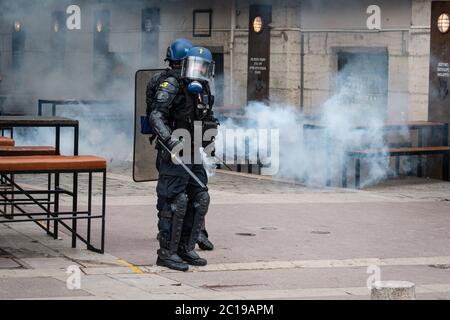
{"x": 312, "y": 264}
{"x": 131, "y": 266}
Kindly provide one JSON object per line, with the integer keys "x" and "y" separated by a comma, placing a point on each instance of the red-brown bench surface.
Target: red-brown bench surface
{"x": 27, "y": 151}
{"x": 7, "y": 142}
{"x": 51, "y": 163}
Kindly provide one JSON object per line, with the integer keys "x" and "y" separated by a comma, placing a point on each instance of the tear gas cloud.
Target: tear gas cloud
{"x": 108, "y": 130}
{"x": 305, "y": 155}
{"x": 312, "y": 155}
{"x": 105, "y": 130}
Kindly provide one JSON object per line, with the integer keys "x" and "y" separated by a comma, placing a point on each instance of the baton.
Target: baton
{"x": 180, "y": 162}
{"x": 223, "y": 162}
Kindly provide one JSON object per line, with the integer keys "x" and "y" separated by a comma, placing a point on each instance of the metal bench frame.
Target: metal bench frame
{"x": 51, "y": 210}
{"x": 419, "y": 152}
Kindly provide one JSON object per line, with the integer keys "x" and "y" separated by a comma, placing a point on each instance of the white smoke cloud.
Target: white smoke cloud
{"x": 105, "y": 130}
{"x": 108, "y": 130}
{"x": 315, "y": 155}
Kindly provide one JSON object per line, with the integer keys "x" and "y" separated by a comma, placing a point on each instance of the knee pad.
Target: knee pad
{"x": 179, "y": 205}
{"x": 201, "y": 203}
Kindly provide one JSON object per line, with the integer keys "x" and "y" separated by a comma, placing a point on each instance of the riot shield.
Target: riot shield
{"x": 144, "y": 155}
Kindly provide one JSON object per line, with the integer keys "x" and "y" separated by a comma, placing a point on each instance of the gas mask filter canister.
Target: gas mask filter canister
{"x": 195, "y": 87}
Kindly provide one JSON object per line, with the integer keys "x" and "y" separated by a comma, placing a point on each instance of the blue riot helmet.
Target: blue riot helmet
{"x": 178, "y": 50}
{"x": 198, "y": 65}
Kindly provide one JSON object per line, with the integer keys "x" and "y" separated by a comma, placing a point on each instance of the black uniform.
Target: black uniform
{"x": 182, "y": 202}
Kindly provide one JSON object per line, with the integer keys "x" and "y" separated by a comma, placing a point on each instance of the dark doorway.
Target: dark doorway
{"x": 218, "y": 79}
{"x": 150, "y": 37}
{"x": 18, "y": 46}
{"x": 102, "y": 56}
{"x": 362, "y": 78}
{"x": 58, "y": 40}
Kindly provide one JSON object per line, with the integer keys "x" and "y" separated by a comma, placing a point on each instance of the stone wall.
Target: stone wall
{"x": 408, "y": 50}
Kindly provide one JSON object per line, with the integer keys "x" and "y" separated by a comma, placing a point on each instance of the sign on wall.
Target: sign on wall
{"x": 439, "y": 98}
{"x": 438, "y": 93}
{"x": 258, "y": 78}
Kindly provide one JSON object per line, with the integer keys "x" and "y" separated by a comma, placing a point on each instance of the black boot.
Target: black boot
{"x": 191, "y": 229}
{"x": 173, "y": 218}
{"x": 203, "y": 241}
{"x": 192, "y": 258}
{"x": 172, "y": 261}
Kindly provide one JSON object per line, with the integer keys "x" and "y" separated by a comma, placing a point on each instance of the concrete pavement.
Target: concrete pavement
{"x": 274, "y": 240}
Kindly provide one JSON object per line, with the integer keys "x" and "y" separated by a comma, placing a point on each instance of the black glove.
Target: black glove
{"x": 173, "y": 145}
{"x": 209, "y": 125}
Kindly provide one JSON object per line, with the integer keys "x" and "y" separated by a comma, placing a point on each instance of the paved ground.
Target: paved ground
{"x": 273, "y": 240}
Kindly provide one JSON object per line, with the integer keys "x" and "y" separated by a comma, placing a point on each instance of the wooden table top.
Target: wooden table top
{"x": 35, "y": 121}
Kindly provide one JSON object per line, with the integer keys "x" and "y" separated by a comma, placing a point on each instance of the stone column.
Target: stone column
{"x": 393, "y": 290}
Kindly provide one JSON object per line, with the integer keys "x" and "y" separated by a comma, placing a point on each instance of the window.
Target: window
{"x": 362, "y": 78}
{"x": 202, "y": 24}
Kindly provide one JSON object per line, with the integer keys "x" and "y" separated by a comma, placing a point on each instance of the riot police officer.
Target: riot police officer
{"x": 183, "y": 97}
{"x": 176, "y": 52}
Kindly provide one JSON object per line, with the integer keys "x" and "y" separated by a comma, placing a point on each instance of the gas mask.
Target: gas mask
{"x": 195, "y": 87}
{"x": 197, "y": 68}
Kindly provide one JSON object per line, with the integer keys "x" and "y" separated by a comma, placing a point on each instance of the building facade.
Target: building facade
{"x": 382, "y": 45}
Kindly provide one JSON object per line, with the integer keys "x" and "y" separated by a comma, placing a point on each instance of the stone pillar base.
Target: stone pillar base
{"x": 393, "y": 290}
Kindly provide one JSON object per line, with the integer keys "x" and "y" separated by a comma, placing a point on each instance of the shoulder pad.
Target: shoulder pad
{"x": 169, "y": 85}
{"x": 152, "y": 85}
{"x": 155, "y": 78}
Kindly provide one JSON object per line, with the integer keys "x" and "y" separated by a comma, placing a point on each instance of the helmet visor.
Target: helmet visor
{"x": 196, "y": 68}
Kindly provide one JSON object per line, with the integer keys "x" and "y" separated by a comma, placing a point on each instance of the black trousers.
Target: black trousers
{"x": 172, "y": 181}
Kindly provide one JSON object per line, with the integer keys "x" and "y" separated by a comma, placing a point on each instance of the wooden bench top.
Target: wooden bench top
{"x": 7, "y": 142}
{"x": 27, "y": 151}
{"x": 400, "y": 151}
{"x": 51, "y": 163}
{"x": 74, "y": 101}
{"x": 385, "y": 126}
